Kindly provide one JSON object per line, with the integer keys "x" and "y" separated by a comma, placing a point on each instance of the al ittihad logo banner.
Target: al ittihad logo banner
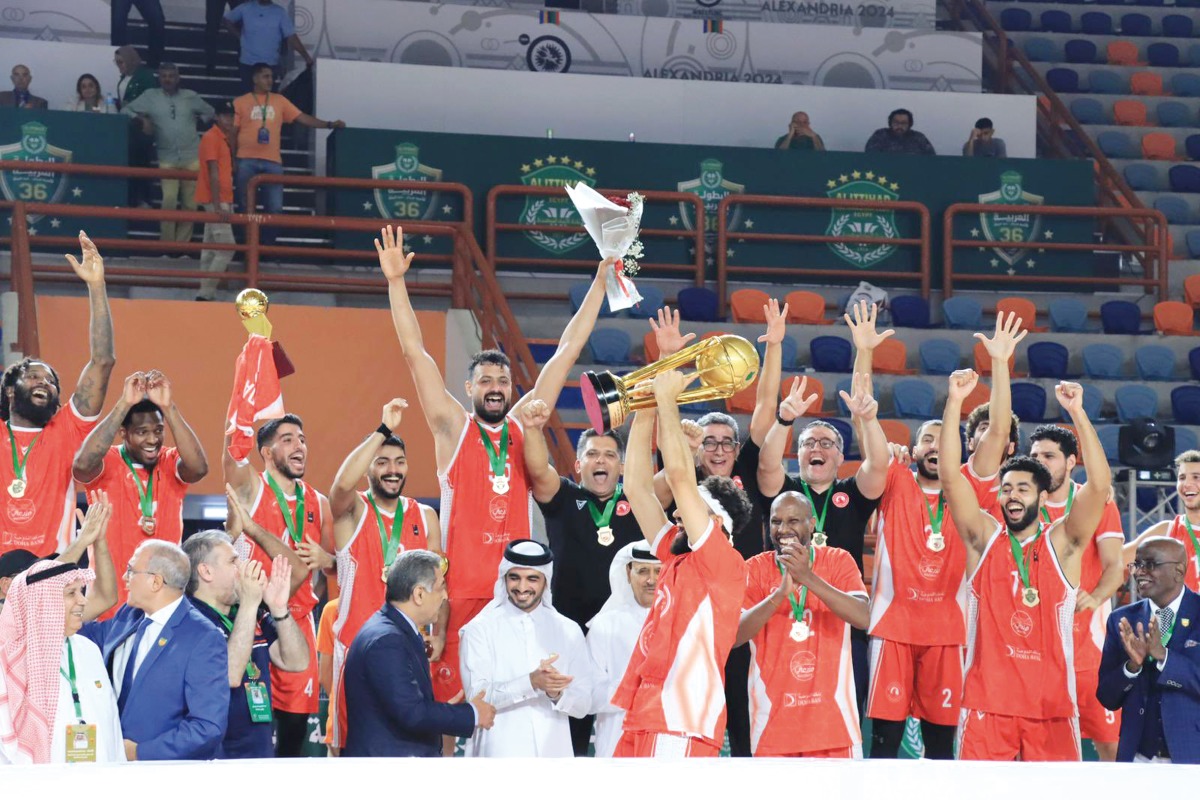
{"x": 862, "y": 185}
{"x": 33, "y": 186}
{"x": 558, "y": 171}
{"x": 406, "y": 203}
{"x": 1009, "y": 227}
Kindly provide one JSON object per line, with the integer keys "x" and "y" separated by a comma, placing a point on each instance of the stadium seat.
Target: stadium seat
{"x": 1122, "y": 53}
{"x": 1141, "y": 177}
{"x": 1193, "y": 56}
{"x": 1105, "y": 81}
{"x": 1159, "y": 146}
{"x": 789, "y": 351}
{"x": 891, "y": 358}
{"x": 1186, "y": 439}
{"x": 1192, "y": 239}
{"x": 1039, "y": 48}
{"x": 1056, "y": 21}
{"x": 1134, "y": 400}
{"x": 1093, "y": 404}
{"x": 1088, "y": 111}
{"x": 1146, "y": 83}
{"x": 847, "y": 432}
{"x": 962, "y": 313}
{"x": 650, "y": 347}
{"x": 1192, "y": 146}
{"x": 1096, "y": 23}
{"x": 1076, "y": 51}
{"x": 913, "y": 398}
{"x": 1063, "y": 80}
{"x": 1016, "y": 19}
{"x": 1068, "y": 315}
{"x": 1110, "y": 436}
{"x": 1162, "y": 54}
{"x": 1117, "y": 144}
{"x": 1177, "y": 26}
{"x": 746, "y": 305}
{"x": 978, "y": 396}
{"x": 743, "y": 402}
{"x": 806, "y": 308}
{"x": 1185, "y": 84}
{"x": 983, "y": 361}
{"x": 1155, "y": 362}
{"x": 1173, "y": 318}
{"x": 1120, "y": 317}
{"x": 1184, "y": 178}
{"x": 578, "y": 292}
{"x": 1130, "y": 112}
{"x": 697, "y": 304}
{"x": 1103, "y": 362}
{"x": 652, "y": 300}
{"x": 1029, "y": 402}
{"x": 1173, "y": 114}
{"x": 1136, "y": 25}
{"x": 939, "y": 356}
{"x": 830, "y": 354}
{"x": 1194, "y": 362}
{"x": 909, "y": 311}
{"x": 1174, "y": 208}
{"x": 610, "y": 346}
{"x": 896, "y": 431}
{"x": 1191, "y": 290}
{"x": 1047, "y": 360}
{"x": 1025, "y": 310}
{"x": 844, "y": 385}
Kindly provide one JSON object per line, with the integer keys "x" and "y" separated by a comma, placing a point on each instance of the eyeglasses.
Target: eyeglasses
{"x": 129, "y": 571}
{"x": 1150, "y": 566}
{"x": 725, "y": 445}
{"x": 813, "y": 444}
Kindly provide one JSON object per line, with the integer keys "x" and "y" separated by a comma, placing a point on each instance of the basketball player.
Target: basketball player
{"x": 1183, "y": 527}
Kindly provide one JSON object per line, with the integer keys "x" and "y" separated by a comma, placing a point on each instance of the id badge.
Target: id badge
{"x": 264, "y": 135}
{"x": 81, "y": 744}
{"x": 259, "y": 701}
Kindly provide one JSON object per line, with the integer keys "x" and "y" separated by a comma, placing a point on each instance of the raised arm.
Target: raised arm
{"x": 543, "y": 480}
{"x": 670, "y": 340}
{"x": 677, "y": 456}
{"x": 94, "y": 533}
{"x": 290, "y": 650}
{"x": 238, "y": 522}
{"x": 89, "y": 461}
{"x": 770, "y": 458}
{"x": 93, "y": 381}
{"x": 343, "y": 495}
{"x": 973, "y": 524}
{"x": 1080, "y": 524}
{"x": 993, "y": 445}
{"x": 639, "y": 473}
{"x": 766, "y": 397}
{"x": 193, "y": 463}
{"x": 252, "y": 580}
{"x": 864, "y": 336}
{"x": 864, "y": 411}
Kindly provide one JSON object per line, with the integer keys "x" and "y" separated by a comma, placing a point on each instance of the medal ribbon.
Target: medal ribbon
{"x": 824, "y": 507}
{"x": 71, "y": 680}
{"x": 798, "y": 605}
{"x": 602, "y": 518}
{"x": 294, "y": 522}
{"x": 935, "y": 520}
{"x": 19, "y": 463}
{"x": 1070, "y": 500}
{"x": 1192, "y": 536}
{"x": 1019, "y": 556}
{"x": 251, "y": 670}
{"x": 499, "y": 459}
{"x": 146, "y": 491}
{"x": 390, "y": 544}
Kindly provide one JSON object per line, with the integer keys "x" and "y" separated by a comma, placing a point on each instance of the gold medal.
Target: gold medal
{"x": 1030, "y": 596}
{"x": 500, "y": 484}
{"x": 605, "y": 536}
{"x": 17, "y": 488}
{"x": 819, "y": 539}
{"x": 936, "y": 542}
{"x": 800, "y": 631}
{"x": 147, "y": 524}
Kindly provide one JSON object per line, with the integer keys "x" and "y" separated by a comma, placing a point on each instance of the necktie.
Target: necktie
{"x": 127, "y": 678}
{"x": 1166, "y": 617}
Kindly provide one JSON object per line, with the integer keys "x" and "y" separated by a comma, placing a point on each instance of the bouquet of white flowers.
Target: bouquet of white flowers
{"x": 613, "y": 224}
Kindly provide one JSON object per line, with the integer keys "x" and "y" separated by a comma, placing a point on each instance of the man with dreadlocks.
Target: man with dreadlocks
{"x": 37, "y": 496}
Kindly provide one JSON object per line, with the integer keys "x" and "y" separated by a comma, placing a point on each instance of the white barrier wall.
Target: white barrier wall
{"x": 87, "y": 21}
{"x": 56, "y": 66}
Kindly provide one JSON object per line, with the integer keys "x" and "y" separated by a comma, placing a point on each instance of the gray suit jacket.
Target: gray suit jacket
{"x": 7, "y": 100}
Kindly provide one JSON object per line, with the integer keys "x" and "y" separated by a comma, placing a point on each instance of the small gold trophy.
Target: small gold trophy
{"x": 252, "y": 305}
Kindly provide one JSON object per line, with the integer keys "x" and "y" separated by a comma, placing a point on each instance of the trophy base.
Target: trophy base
{"x": 601, "y": 400}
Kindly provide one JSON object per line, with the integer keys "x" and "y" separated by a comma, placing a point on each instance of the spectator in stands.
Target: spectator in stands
{"x": 152, "y": 15}
{"x": 983, "y": 143}
{"x": 88, "y": 96}
{"x": 20, "y": 96}
{"x": 799, "y": 136}
{"x": 174, "y": 113}
{"x": 135, "y": 79}
{"x": 899, "y": 136}
{"x": 215, "y": 191}
{"x": 259, "y": 121}
{"x": 214, "y": 13}
{"x": 263, "y": 27}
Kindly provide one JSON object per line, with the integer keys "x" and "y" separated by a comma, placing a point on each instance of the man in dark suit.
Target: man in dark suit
{"x": 168, "y": 663}
{"x": 1150, "y": 668}
{"x": 20, "y": 96}
{"x": 387, "y": 689}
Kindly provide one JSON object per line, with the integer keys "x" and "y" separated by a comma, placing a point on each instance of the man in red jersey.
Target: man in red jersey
{"x": 486, "y": 500}
{"x": 1019, "y": 688}
{"x": 1183, "y": 527}
{"x": 37, "y": 495}
{"x": 673, "y": 691}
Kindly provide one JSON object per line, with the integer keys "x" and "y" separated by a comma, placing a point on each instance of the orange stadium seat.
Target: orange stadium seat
{"x": 983, "y": 362}
{"x": 650, "y": 347}
{"x": 891, "y": 358}
{"x": 747, "y": 305}
{"x": 1147, "y": 83}
{"x": 806, "y": 308}
{"x": 848, "y": 469}
{"x": 896, "y": 431}
{"x": 711, "y": 334}
{"x": 1025, "y": 310}
{"x": 814, "y": 386}
{"x": 1123, "y": 53}
{"x": 743, "y": 402}
{"x": 1130, "y": 112}
{"x": 1159, "y": 146}
{"x": 1191, "y": 290}
{"x": 978, "y": 396}
{"x": 1173, "y": 318}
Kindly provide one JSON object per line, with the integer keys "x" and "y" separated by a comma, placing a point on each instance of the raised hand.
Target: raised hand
{"x": 693, "y": 432}
{"x": 485, "y": 712}
{"x": 392, "y": 259}
{"x": 134, "y": 390}
{"x": 604, "y": 266}
{"x": 252, "y": 583}
{"x": 795, "y": 558}
{"x": 669, "y": 385}
{"x": 393, "y": 412}
{"x": 1070, "y": 397}
{"x": 1135, "y": 643}
{"x": 236, "y": 517}
{"x": 91, "y": 270}
{"x": 1154, "y": 647}
{"x": 962, "y": 383}
{"x": 786, "y": 587}
{"x": 862, "y": 405}
{"x": 276, "y": 593}
{"x": 900, "y": 454}
{"x": 535, "y": 414}
{"x": 1004, "y": 341}
{"x": 94, "y": 525}
{"x": 862, "y": 326}
{"x": 796, "y": 405}
{"x": 158, "y": 389}
{"x": 776, "y": 322}
{"x": 666, "y": 332}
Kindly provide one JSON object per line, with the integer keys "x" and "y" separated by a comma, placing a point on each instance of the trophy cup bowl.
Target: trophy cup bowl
{"x": 252, "y": 305}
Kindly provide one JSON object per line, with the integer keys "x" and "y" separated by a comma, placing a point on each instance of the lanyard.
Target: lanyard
{"x": 935, "y": 520}
{"x": 1192, "y": 535}
{"x": 497, "y": 459}
{"x": 798, "y": 605}
{"x": 602, "y": 518}
{"x": 19, "y": 463}
{"x": 1019, "y": 556}
{"x": 146, "y": 491}
{"x": 265, "y": 104}
{"x": 70, "y": 676}
{"x": 294, "y": 522}
{"x": 390, "y": 544}
{"x": 252, "y": 672}
{"x": 824, "y": 506}
{"x": 1070, "y": 500}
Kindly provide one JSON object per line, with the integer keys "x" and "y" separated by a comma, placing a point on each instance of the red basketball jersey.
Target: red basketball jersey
{"x": 1179, "y": 531}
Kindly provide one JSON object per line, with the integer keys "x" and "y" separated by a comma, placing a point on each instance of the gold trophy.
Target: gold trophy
{"x": 725, "y": 365}
{"x": 252, "y": 305}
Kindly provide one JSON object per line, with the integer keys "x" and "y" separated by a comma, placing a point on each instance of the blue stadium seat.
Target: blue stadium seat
{"x": 1162, "y": 54}
{"x": 1192, "y": 145}
{"x": 1192, "y": 239}
{"x": 1117, "y": 144}
{"x": 1174, "y": 208}
{"x": 1134, "y": 400}
{"x": 1194, "y": 362}
{"x": 1185, "y": 84}
{"x": 843, "y": 385}
{"x": 1016, "y": 19}
{"x": 1063, "y": 80}
{"x": 789, "y": 351}
{"x": 1029, "y": 402}
{"x": 830, "y": 354}
{"x": 1177, "y": 26}
{"x": 1093, "y": 404}
{"x": 570, "y": 397}
{"x": 1077, "y": 51}
{"x": 1141, "y": 177}
{"x": 652, "y": 300}
{"x": 1184, "y": 178}
{"x": 939, "y": 356}
{"x": 697, "y": 304}
{"x": 1096, "y": 23}
{"x": 1185, "y": 404}
{"x": 1173, "y": 114}
{"x": 1193, "y": 56}
{"x": 1056, "y": 21}
{"x": 962, "y": 313}
{"x": 1155, "y": 362}
{"x": 909, "y": 311}
{"x": 610, "y": 346}
{"x": 1039, "y": 48}
{"x": 847, "y": 433}
{"x": 1110, "y": 436}
{"x": 1103, "y": 361}
{"x": 1105, "y": 81}
{"x": 578, "y": 292}
{"x": 1136, "y": 25}
{"x": 913, "y": 398}
{"x": 1047, "y": 360}
{"x": 1088, "y": 111}
{"x": 1120, "y": 317}
{"x": 1068, "y": 315}
{"x": 1185, "y": 439}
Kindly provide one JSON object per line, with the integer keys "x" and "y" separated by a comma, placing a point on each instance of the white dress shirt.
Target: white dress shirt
{"x": 611, "y": 638}
{"x": 158, "y": 621}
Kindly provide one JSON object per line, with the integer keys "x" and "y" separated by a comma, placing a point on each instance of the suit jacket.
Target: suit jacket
{"x": 1178, "y": 682}
{"x": 390, "y": 708}
{"x": 178, "y": 705}
{"x": 8, "y": 100}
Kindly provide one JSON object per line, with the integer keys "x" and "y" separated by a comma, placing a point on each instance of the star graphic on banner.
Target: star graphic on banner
{"x": 525, "y": 168}
{"x": 427, "y": 239}
{"x": 447, "y": 210}
{"x": 749, "y": 224}
{"x": 1012, "y": 271}
{"x": 843, "y": 178}
{"x": 882, "y": 181}
{"x": 537, "y": 162}
{"x": 691, "y": 251}
{"x": 995, "y": 262}
{"x": 366, "y": 205}
{"x": 974, "y": 233}
{"x": 674, "y": 220}
{"x": 1048, "y": 234}
{"x": 1029, "y": 262}
{"x": 33, "y": 231}
{"x": 709, "y": 261}
{"x": 830, "y": 184}
{"x": 578, "y": 165}
{"x": 551, "y": 160}
{"x": 407, "y": 236}
{"x": 895, "y": 187}
{"x": 591, "y": 172}
{"x": 77, "y": 191}
{"x": 870, "y": 175}
{"x": 729, "y": 252}
{"x": 54, "y": 223}
{"x": 856, "y": 174}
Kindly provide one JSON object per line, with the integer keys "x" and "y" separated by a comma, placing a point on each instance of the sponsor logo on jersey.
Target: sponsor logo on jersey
{"x": 622, "y": 508}
{"x": 841, "y": 499}
{"x": 1021, "y": 623}
{"x": 929, "y": 567}
{"x": 803, "y": 665}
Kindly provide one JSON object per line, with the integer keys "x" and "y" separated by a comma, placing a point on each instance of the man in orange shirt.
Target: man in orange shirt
{"x": 259, "y": 118}
{"x": 214, "y": 191}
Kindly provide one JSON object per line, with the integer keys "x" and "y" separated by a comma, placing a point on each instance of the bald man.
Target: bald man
{"x": 20, "y": 96}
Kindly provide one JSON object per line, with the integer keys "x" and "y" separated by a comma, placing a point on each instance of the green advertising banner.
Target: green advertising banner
{"x": 712, "y": 173}
{"x": 63, "y": 137}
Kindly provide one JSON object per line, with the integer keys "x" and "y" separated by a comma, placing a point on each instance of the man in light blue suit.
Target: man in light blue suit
{"x": 168, "y": 663}
{"x": 1150, "y": 668}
